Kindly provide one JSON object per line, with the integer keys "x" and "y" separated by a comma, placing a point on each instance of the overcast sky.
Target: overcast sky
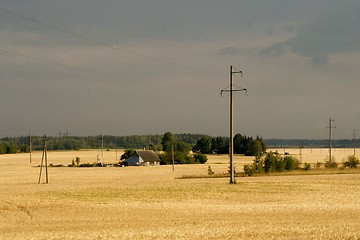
{"x": 122, "y": 67}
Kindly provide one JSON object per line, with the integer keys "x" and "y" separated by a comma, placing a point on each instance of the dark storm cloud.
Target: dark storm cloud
{"x": 72, "y": 81}
{"x": 335, "y": 32}
{"x": 235, "y": 51}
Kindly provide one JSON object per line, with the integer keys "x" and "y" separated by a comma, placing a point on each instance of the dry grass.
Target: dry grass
{"x": 149, "y": 203}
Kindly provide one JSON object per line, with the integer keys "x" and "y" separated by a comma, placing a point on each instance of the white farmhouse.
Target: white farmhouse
{"x": 143, "y": 158}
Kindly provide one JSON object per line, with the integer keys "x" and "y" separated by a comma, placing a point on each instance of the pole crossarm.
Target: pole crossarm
{"x": 234, "y": 90}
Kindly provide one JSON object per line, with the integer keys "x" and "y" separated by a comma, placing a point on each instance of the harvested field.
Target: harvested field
{"x": 150, "y": 203}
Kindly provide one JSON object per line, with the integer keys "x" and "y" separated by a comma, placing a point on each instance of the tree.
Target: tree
{"x": 254, "y": 148}
{"x": 183, "y": 147}
{"x": 270, "y": 162}
{"x": 11, "y": 148}
{"x": 203, "y": 145}
{"x": 127, "y": 153}
{"x": 200, "y": 158}
{"x": 2, "y": 149}
{"x": 248, "y": 146}
{"x": 240, "y": 144}
{"x": 351, "y": 162}
{"x": 220, "y": 145}
{"x": 168, "y": 142}
{"x": 263, "y": 146}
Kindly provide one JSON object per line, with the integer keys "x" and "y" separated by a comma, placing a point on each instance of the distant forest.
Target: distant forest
{"x": 22, "y": 144}
{"x": 310, "y": 143}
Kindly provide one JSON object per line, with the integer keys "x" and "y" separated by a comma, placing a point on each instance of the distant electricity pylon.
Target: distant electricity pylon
{"x": 44, "y": 155}
{"x": 231, "y": 140}
{"x": 64, "y": 134}
{"x": 330, "y": 137}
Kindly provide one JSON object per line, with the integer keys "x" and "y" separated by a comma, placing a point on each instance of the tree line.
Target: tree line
{"x": 22, "y": 144}
{"x": 220, "y": 145}
{"x": 198, "y": 143}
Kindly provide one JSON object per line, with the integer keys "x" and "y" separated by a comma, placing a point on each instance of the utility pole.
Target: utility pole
{"x": 172, "y": 156}
{"x": 30, "y": 145}
{"x": 231, "y": 140}
{"x": 45, "y": 139}
{"x": 116, "y": 155}
{"x": 330, "y": 137}
{"x": 102, "y": 148}
{"x": 354, "y": 140}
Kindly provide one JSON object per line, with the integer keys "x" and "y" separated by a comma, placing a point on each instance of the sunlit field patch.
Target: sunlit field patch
{"x": 152, "y": 203}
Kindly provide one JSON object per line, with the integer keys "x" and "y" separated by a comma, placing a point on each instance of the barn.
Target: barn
{"x": 143, "y": 158}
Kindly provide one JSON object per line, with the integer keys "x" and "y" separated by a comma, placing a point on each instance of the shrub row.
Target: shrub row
{"x": 272, "y": 162}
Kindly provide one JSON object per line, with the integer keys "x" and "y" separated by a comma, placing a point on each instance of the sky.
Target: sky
{"x": 113, "y": 67}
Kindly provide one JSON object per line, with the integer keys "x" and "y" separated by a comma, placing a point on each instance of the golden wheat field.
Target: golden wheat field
{"x": 152, "y": 203}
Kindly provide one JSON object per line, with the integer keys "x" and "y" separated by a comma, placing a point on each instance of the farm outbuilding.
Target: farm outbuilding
{"x": 143, "y": 158}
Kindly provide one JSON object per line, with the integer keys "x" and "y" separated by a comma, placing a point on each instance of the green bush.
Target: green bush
{"x": 270, "y": 161}
{"x": 248, "y": 170}
{"x": 307, "y": 166}
{"x": 331, "y": 164}
{"x": 87, "y": 165}
{"x": 351, "y": 162}
{"x": 319, "y": 164}
{"x": 279, "y": 165}
{"x": 290, "y": 163}
{"x": 200, "y": 158}
{"x": 258, "y": 165}
{"x": 210, "y": 171}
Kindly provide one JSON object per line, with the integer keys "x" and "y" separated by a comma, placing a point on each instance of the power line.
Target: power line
{"x": 299, "y": 125}
{"x": 67, "y": 66}
{"x": 95, "y": 41}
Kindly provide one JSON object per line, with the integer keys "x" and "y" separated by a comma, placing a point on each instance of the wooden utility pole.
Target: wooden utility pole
{"x": 30, "y": 145}
{"x": 172, "y": 156}
{"x": 330, "y": 137}
{"x": 231, "y": 140}
{"x": 44, "y": 155}
{"x": 102, "y": 149}
{"x": 116, "y": 153}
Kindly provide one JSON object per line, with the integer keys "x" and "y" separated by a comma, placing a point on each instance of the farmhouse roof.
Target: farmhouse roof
{"x": 148, "y": 156}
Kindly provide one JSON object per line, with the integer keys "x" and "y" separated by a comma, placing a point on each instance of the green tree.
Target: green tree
{"x": 200, "y": 158}
{"x": 254, "y": 148}
{"x": 168, "y": 142}
{"x": 351, "y": 162}
{"x": 240, "y": 144}
{"x": 270, "y": 162}
{"x": 263, "y": 146}
{"x": 2, "y": 149}
{"x": 203, "y": 145}
{"x": 11, "y": 148}
{"x": 290, "y": 163}
{"x": 219, "y": 145}
{"x": 183, "y": 147}
{"x": 127, "y": 153}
